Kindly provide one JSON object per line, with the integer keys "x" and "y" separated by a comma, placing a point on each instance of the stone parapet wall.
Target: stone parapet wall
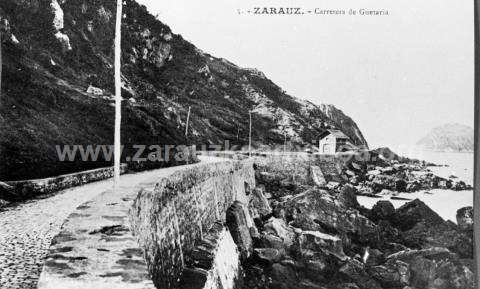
{"x": 168, "y": 219}
{"x": 27, "y": 189}
{"x": 32, "y": 188}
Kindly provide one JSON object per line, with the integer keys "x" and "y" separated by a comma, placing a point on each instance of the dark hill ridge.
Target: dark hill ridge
{"x": 54, "y": 50}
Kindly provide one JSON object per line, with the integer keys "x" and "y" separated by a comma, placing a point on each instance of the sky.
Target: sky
{"x": 397, "y": 76}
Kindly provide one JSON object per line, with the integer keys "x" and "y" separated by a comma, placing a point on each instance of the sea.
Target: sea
{"x": 444, "y": 202}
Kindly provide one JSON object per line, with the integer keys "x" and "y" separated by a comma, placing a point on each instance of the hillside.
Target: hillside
{"x": 53, "y": 51}
{"x": 449, "y": 137}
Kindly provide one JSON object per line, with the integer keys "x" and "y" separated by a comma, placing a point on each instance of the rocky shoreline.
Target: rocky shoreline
{"x": 316, "y": 235}
{"x": 385, "y": 173}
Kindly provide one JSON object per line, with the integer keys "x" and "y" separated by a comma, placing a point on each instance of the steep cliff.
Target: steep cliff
{"x": 344, "y": 123}
{"x": 449, "y": 137}
{"x": 58, "y": 88}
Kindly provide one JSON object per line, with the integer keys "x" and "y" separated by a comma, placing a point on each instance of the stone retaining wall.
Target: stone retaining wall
{"x": 32, "y": 188}
{"x": 22, "y": 190}
{"x": 216, "y": 262}
{"x": 181, "y": 209}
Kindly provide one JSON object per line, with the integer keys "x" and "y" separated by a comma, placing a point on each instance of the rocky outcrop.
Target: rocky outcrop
{"x": 449, "y": 137}
{"x": 381, "y": 172}
{"x": 58, "y": 25}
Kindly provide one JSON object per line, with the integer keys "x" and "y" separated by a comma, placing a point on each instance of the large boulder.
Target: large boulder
{"x": 354, "y": 270}
{"x": 348, "y": 197}
{"x": 388, "y": 233}
{"x": 382, "y": 210}
{"x": 414, "y": 212}
{"x": 465, "y": 218}
{"x": 317, "y": 210}
{"x": 320, "y": 242}
{"x": 267, "y": 240}
{"x": 268, "y": 256}
{"x": 284, "y": 277}
{"x": 447, "y": 235}
{"x": 237, "y": 223}
{"x": 435, "y": 268}
{"x": 279, "y": 229}
{"x": 394, "y": 274}
{"x": 259, "y": 205}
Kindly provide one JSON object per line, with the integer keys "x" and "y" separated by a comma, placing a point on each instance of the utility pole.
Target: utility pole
{"x": 250, "y": 136}
{"x": 118, "y": 94}
{"x": 188, "y": 120}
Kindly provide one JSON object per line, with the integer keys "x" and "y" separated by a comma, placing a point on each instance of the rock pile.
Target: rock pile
{"x": 321, "y": 238}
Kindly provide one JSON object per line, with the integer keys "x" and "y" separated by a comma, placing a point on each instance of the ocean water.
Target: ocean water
{"x": 444, "y": 202}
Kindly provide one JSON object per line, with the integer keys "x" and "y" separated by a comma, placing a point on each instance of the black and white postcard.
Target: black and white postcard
{"x": 225, "y": 144}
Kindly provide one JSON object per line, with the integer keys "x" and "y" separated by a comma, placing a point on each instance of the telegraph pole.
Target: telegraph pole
{"x": 188, "y": 120}
{"x": 250, "y": 136}
{"x": 118, "y": 94}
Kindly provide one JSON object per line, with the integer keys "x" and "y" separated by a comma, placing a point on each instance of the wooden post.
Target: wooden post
{"x": 188, "y": 120}
{"x": 285, "y": 142}
{"x": 250, "y": 136}
{"x": 118, "y": 93}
